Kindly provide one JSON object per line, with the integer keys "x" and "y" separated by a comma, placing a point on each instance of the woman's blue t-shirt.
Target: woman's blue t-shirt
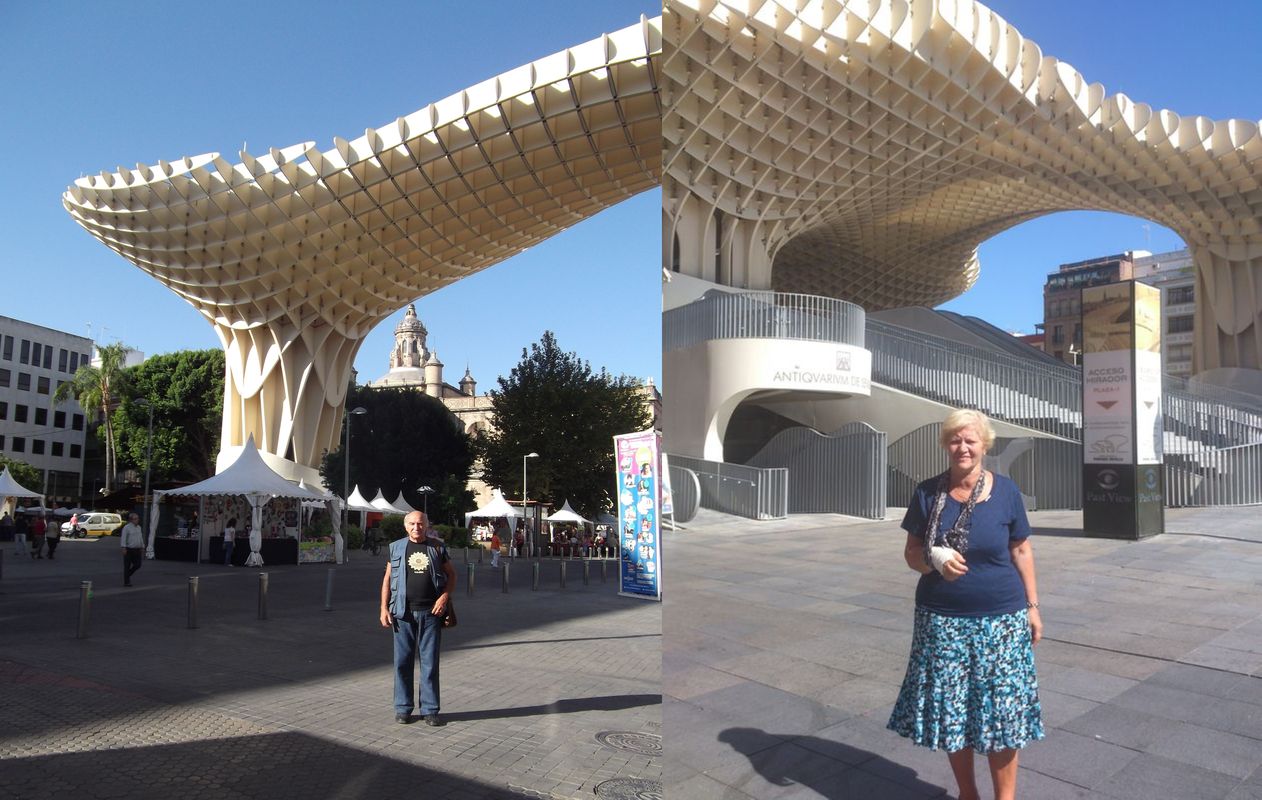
{"x": 992, "y": 584}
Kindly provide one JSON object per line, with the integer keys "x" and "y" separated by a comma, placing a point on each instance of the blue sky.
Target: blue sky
{"x": 1190, "y": 58}
{"x": 90, "y": 86}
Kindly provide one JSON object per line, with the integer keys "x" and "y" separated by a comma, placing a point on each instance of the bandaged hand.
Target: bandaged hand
{"x": 939, "y": 556}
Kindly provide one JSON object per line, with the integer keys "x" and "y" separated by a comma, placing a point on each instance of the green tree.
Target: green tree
{"x": 554, "y": 405}
{"x": 22, "y": 472}
{"x": 186, "y": 390}
{"x": 406, "y": 440}
{"x": 98, "y": 388}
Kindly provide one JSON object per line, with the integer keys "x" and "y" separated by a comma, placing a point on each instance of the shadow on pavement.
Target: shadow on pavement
{"x": 833, "y": 770}
{"x": 566, "y": 706}
{"x": 288, "y": 764}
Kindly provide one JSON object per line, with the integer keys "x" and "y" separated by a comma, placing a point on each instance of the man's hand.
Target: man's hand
{"x": 387, "y": 619}
{"x": 440, "y": 606}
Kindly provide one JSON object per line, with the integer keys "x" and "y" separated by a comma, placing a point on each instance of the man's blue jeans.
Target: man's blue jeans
{"x": 417, "y": 634}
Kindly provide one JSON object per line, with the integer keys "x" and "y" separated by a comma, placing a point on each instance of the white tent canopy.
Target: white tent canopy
{"x": 357, "y": 502}
{"x": 498, "y": 507}
{"x": 248, "y": 476}
{"x": 11, "y": 488}
{"x": 566, "y": 514}
{"x": 380, "y": 503}
{"x": 403, "y": 505}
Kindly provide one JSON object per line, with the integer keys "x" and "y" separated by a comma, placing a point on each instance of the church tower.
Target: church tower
{"x": 409, "y": 342}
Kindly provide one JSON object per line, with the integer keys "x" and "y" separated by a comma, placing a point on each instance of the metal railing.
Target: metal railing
{"x": 751, "y": 492}
{"x": 762, "y": 315}
{"x": 685, "y": 493}
{"x": 839, "y": 473}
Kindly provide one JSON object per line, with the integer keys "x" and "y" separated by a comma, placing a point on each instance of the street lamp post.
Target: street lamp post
{"x": 346, "y": 473}
{"x": 148, "y": 462}
{"x": 524, "y": 495}
{"x": 426, "y": 491}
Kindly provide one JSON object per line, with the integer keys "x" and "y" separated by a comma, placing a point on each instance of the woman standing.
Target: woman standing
{"x": 970, "y": 683}
{"x": 229, "y": 541}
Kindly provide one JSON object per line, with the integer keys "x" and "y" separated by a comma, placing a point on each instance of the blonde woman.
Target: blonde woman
{"x": 970, "y": 685}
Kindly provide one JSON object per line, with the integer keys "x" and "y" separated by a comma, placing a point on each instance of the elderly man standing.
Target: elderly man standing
{"x": 415, "y": 594}
{"x": 133, "y": 547}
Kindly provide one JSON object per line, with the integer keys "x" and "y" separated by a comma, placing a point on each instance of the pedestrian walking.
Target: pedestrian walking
{"x": 38, "y": 527}
{"x": 133, "y": 547}
{"x": 53, "y": 537}
{"x": 229, "y": 541}
{"x": 495, "y": 549}
{"x": 415, "y": 599}
{"x": 970, "y": 685}
{"x": 6, "y": 527}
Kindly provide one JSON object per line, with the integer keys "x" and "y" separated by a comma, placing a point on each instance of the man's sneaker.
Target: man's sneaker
{"x": 434, "y": 721}
{"x": 403, "y": 719}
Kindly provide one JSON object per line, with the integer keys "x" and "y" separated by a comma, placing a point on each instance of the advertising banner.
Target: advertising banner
{"x": 637, "y": 458}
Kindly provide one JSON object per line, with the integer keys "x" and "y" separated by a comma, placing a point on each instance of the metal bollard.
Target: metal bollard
{"x": 469, "y": 581}
{"x": 481, "y": 550}
{"x": 562, "y": 573}
{"x": 262, "y": 595}
{"x": 192, "y": 601}
{"x": 547, "y": 551}
{"x": 504, "y": 583}
{"x": 85, "y": 609}
{"x": 328, "y": 591}
{"x": 534, "y": 578}
{"x": 604, "y": 572}
{"x": 1, "y": 563}
{"x": 466, "y": 555}
{"x": 587, "y": 573}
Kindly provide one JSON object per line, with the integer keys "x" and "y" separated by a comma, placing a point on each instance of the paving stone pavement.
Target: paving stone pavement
{"x": 298, "y": 704}
{"x": 785, "y": 643}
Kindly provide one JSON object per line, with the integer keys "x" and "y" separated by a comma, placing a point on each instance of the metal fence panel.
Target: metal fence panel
{"x": 838, "y": 473}
{"x": 685, "y": 493}
{"x": 750, "y": 492}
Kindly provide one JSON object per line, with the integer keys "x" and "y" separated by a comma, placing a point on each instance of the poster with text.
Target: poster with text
{"x": 637, "y": 471}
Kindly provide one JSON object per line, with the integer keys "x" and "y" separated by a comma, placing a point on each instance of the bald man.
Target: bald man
{"x": 415, "y": 592}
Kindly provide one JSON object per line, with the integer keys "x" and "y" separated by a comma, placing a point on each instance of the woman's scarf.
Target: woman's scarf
{"x": 957, "y": 537}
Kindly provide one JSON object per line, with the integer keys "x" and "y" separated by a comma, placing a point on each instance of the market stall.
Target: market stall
{"x": 247, "y": 487}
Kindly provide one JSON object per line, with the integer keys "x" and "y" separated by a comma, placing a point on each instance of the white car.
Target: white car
{"x": 97, "y": 523}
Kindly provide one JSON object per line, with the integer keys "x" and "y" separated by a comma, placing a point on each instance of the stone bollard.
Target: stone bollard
{"x": 262, "y": 595}
{"x": 85, "y": 609}
{"x": 587, "y": 578}
{"x": 563, "y": 573}
{"x": 192, "y": 601}
{"x": 534, "y": 578}
{"x": 504, "y": 584}
{"x": 328, "y": 591}
{"x": 469, "y": 580}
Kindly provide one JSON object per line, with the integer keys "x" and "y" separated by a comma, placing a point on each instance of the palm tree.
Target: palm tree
{"x": 96, "y": 387}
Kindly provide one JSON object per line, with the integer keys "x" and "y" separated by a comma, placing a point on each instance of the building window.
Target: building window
{"x": 76, "y": 451}
{"x": 41, "y": 416}
{"x": 48, "y": 357}
{"x": 37, "y": 353}
{"x": 37, "y": 447}
{"x": 19, "y": 413}
{"x": 59, "y": 419}
{"x": 58, "y": 449}
{"x": 1078, "y": 333}
{"x": 8, "y": 348}
{"x": 63, "y": 359}
{"x": 1058, "y": 334}
{"x": 4, "y": 410}
{"x": 24, "y": 355}
{"x": 6, "y": 378}
{"x": 1179, "y": 325}
{"x": 18, "y": 445}
{"x": 1, "y": 441}
{"x": 1179, "y": 295}
{"x": 24, "y": 381}
{"x": 84, "y": 360}
{"x": 74, "y": 362}
{"x": 76, "y": 422}
{"x": 41, "y": 384}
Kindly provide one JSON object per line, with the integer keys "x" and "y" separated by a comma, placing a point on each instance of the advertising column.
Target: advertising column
{"x": 638, "y": 470}
{"x": 1123, "y": 493}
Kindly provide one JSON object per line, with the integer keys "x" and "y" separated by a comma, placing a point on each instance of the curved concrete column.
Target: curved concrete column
{"x": 295, "y": 255}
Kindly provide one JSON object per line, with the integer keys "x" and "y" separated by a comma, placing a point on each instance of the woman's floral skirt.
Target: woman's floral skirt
{"x": 970, "y": 683}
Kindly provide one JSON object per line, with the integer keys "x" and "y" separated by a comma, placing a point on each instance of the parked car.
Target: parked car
{"x": 97, "y": 523}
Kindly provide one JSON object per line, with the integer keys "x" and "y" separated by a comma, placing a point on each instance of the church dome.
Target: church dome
{"x": 411, "y": 324}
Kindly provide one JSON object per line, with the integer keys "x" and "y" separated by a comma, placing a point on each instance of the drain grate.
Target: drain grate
{"x": 629, "y": 789}
{"x": 644, "y": 744}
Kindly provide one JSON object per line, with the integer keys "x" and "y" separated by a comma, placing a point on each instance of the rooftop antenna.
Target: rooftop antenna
{"x": 1147, "y": 236}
